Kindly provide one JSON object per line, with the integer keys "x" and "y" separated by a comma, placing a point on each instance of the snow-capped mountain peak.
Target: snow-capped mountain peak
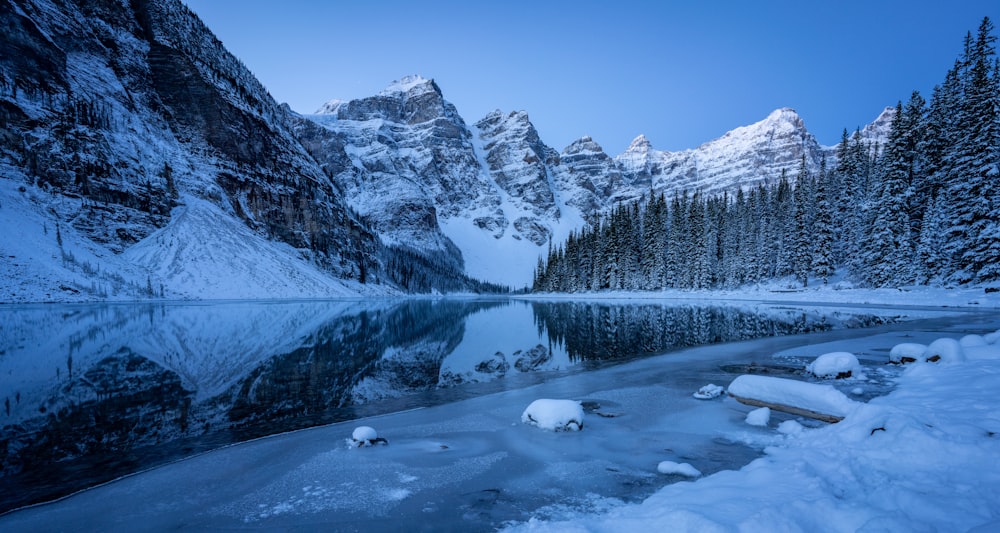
{"x": 583, "y": 144}
{"x": 878, "y": 130}
{"x": 413, "y": 84}
{"x": 330, "y": 108}
{"x": 640, "y": 145}
{"x": 781, "y": 121}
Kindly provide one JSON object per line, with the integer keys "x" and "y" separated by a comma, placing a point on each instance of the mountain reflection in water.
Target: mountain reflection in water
{"x": 93, "y": 392}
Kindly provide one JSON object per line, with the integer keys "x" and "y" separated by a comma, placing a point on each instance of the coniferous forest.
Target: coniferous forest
{"x": 922, "y": 209}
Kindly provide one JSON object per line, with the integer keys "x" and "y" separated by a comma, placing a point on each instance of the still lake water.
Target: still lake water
{"x": 93, "y": 392}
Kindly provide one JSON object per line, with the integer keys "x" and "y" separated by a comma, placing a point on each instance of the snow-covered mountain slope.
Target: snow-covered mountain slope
{"x": 479, "y": 197}
{"x": 116, "y": 117}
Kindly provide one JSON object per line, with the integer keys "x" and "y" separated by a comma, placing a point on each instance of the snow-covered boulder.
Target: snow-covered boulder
{"x": 759, "y": 417}
{"x": 992, "y": 338}
{"x": 681, "y": 469}
{"x": 835, "y": 365}
{"x": 709, "y": 391}
{"x": 945, "y": 350}
{"x": 907, "y": 352}
{"x": 554, "y": 415}
{"x": 365, "y": 436}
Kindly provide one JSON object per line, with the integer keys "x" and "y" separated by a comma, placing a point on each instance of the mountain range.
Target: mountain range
{"x": 139, "y": 158}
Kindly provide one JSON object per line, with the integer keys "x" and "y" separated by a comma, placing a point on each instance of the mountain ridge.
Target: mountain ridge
{"x": 520, "y": 189}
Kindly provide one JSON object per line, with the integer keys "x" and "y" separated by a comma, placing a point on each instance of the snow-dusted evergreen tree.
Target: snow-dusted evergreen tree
{"x": 677, "y": 242}
{"x": 888, "y": 249}
{"x": 974, "y": 184}
{"x": 931, "y": 251}
{"x": 822, "y": 228}
{"x": 654, "y": 227}
{"x": 779, "y": 228}
{"x": 918, "y": 181}
{"x": 801, "y": 227}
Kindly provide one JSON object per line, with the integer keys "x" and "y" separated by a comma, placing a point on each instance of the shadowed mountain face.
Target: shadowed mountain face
{"x": 115, "y": 116}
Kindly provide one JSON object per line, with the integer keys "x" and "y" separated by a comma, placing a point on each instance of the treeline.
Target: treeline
{"x": 594, "y": 331}
{"x": 922, "y": 209}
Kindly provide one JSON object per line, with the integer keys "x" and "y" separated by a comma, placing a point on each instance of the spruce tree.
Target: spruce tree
{"x": 822, "y": 229}
{"x": 888, "y": 250}
{"x": 801, "y": 227}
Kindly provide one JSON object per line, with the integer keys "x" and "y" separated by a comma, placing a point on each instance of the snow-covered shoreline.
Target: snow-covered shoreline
{"x": 918, "y": 459}
{"x": 918, "y": 296}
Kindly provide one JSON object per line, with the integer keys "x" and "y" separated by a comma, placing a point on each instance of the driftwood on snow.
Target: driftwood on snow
{"x": 790, "y": 409}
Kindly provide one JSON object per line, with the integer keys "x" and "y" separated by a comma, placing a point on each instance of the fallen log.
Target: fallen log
{"x": 811, "y": 400}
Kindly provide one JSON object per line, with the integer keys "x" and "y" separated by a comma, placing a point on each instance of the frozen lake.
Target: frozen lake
{"x": 94, "y": 392}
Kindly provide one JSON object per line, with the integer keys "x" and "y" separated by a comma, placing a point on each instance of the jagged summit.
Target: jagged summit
{"x": 639, "y": 144}
{"x": 330, "y": 108}
{"x": 583, "y": 144}
{"x": 410, "y": 84}
{"x": 879, "y": 129}
{"x": 782, "y": 120}
{"x": 783, "y": 113}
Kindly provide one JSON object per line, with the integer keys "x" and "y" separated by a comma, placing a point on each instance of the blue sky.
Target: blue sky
{"x": 682, "y": 73}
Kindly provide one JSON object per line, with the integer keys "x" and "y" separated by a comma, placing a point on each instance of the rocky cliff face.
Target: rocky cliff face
{"x": 518, "y": 161}
{"x": 403, "y": 158}
{"x": 476, "y": 196}
{"x": 116, "y": 116}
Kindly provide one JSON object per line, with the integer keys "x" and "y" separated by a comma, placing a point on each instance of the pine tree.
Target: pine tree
{"x": 800, "y": 234}
{"x": 822, "y": 229}
{"x": 931, "y": 251}
{"x": 888, "y": 248}
{"x": 652, "y": 249}
{"x": 978, "y": 153}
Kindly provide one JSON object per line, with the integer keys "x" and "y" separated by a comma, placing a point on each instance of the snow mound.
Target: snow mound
{"x": 682, "y": 469}
{"x": 759, "y": 417}
{"x": 365, "y": 436}
{"x": 835, "y": 365}
{"x": 709, "y": 391}
{"x": 554, "y": 415}
{"x": 992, "y": 338}
{"x": 945, "y": 350}
{"x": 798, "y": 394}
{"x": 907, "y": 352}
{"x": 970, "y": 341}
{"x": 790, "y": 427}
